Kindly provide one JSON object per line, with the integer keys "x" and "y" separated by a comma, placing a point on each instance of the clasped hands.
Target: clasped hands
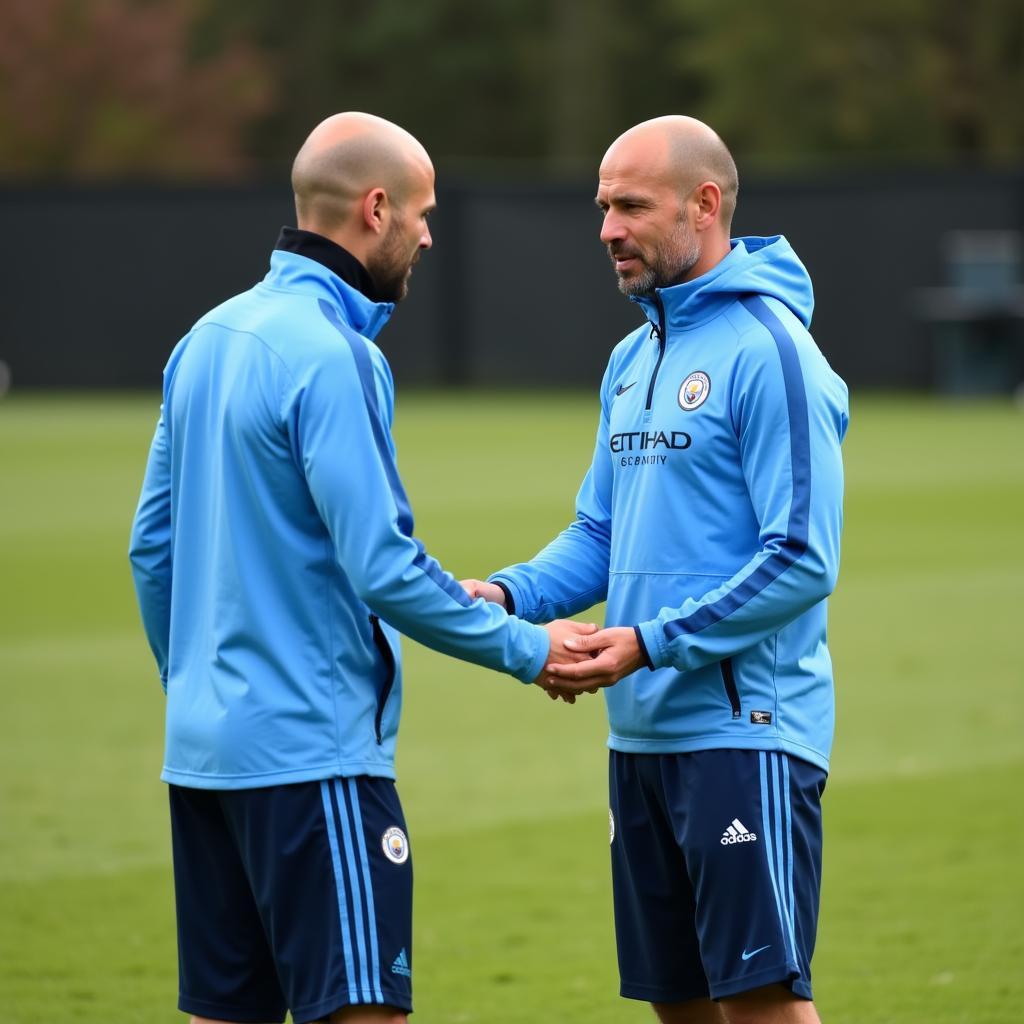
{"x": 581, "y": 658}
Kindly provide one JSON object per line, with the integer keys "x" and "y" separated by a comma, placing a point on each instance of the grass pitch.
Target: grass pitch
{"x": 505, "y": 791}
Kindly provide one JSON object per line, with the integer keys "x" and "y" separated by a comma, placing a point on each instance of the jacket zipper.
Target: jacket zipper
{"x": 381, "y": 643}
{"x": 659, "y": 330}
{"x": 729, "y": 679}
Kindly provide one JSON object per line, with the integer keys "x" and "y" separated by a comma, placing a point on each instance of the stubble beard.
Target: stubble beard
{"x": 390, "y": 265}
{"x": 673, "y": 258}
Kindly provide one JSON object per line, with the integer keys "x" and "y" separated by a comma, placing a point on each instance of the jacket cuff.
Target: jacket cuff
{"x": 643, "y": 648}
{"x": 652, "y": 640}
{"x": 510, "y": 601}
{"x": 540, "y": 654}
{"x": 517, "y": 600}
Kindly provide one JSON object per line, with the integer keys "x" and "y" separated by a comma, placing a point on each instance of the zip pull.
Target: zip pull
{"x": 661, "y": 317}
{"x": 658, "y": 331}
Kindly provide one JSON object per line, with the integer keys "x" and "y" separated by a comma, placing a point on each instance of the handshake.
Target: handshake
{"x": 581, "y": 657}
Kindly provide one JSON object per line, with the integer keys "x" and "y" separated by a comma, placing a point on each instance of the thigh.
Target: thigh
{"x": 658, "y": 952}
{"x": 749, "y": 823}
{"x": 775, "y": 1004}
{"x": 225, "y": 967}
{"x": 330, "y": 868}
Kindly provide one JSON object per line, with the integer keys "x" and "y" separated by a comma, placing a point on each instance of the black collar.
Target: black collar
{"x": 330, "y": 255}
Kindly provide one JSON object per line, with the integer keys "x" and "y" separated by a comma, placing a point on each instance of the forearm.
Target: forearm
{"x": 566, "y": 577}
{"x": 773, "y": 589}
{"x": 154, "y": 598}
{"x": 149, "y": 550}
{"x": 424, "y": 602}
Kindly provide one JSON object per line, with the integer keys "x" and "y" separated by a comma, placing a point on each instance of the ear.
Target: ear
{"x": 708, "y": 198}
{"x": 375, "y": 209}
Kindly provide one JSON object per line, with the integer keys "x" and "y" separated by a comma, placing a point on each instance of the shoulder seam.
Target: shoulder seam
{"x": 234, "y": 330}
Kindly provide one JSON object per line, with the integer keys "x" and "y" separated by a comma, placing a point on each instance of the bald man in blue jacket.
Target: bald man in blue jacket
{"x": 710, "y": 521}
{"x": 275, "y": 565}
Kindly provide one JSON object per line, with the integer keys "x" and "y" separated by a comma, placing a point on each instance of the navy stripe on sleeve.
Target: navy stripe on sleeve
{"x": 795, "y": 543}
{"x": 361, "y": 355}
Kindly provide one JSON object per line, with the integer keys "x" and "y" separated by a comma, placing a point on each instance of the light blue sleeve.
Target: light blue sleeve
{"x": 341, "y": 434}
{"x": 150, "y": 549}
{"x": 790, "y": 411}
{"x": 571, "y": 573}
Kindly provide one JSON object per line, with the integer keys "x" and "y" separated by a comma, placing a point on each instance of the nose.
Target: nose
{"x": 612, "y": 228}
{"x": 425, "y": 240}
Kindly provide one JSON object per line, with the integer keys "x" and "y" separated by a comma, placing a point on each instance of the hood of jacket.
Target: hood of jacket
{"x": 754, "y": 266}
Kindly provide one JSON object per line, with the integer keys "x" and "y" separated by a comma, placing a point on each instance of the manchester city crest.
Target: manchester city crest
{"x": 694, "y": 391}
{"x": 396, "y": 846}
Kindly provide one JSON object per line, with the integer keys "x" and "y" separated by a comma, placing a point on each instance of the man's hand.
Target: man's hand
{"x": 561, "y": 632}
{"x": 488, "y": 591}
{"x": 609, "y": 654}
{"x": 558, "y": 632}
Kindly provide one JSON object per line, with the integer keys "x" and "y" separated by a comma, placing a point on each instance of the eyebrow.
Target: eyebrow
{"x": 625, "y": 200}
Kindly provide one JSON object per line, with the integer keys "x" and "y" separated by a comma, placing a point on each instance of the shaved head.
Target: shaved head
{"x": 683, "y": 151}
{"x": 344, "y": 158}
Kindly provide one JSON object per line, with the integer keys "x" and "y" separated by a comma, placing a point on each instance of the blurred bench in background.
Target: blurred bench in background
{"x": 975, "y": 323}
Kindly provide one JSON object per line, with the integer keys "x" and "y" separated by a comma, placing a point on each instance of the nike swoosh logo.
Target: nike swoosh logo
{"x": 754, "y": 952}
{"x": 622, "y": 390}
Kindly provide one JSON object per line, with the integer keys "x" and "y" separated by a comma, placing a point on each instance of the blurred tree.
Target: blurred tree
{"x": 482, "y": 85}
{"x": 109, "y": 88}
{"x": 455, "y": 72}
{"x": 218, "y": 88}
{"x": 799, "y": 79}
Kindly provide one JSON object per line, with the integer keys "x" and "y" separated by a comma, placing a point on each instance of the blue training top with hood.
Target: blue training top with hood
{"x": 273, "y": 530}
{"x": 711, "y": 515}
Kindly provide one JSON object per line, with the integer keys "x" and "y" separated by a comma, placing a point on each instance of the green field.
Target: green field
{"x": 504, "y": 791}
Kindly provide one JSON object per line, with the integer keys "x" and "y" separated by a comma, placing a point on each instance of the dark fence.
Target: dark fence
{"x": 99, "y": 283}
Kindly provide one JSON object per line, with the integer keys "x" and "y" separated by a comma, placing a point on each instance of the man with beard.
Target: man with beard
{"x": 274, "y": 561}
{"x": 710, "y": 520}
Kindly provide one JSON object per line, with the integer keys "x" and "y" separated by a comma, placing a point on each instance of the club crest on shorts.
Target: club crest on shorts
{"x": 396, "y": 846}
{"x": 611, "y": 827}
{"x": 693, "y": 392}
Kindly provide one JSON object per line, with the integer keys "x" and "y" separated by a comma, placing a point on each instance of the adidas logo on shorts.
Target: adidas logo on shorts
{"x": 401, "y": 965}
{"x": 737, "y": 832}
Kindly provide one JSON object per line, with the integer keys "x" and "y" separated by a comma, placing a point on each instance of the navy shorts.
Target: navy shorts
{"x": 295, "y": 897}
{"x": 716, "y": 870}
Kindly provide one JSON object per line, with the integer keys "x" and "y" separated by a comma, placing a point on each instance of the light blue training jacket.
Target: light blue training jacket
{"x": 711, "y": 515}
{"x": 271, "y": 532}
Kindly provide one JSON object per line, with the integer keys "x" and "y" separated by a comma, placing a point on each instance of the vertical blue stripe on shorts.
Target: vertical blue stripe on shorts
{"x": 355, "y": 889}
{"x": 339, "y": 881}
{"x": 777, "y": 827}
{"x": 364, "y": 861}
